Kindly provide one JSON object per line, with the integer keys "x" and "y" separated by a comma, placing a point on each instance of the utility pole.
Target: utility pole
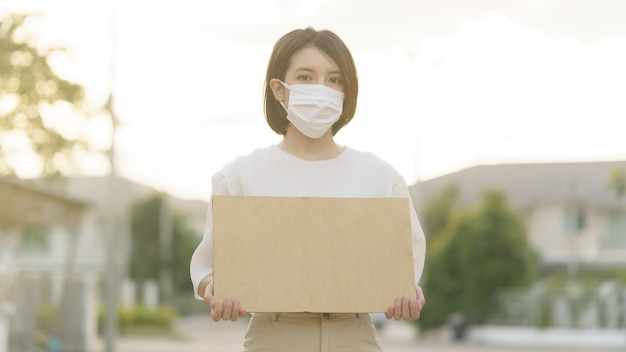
{"x": 6, "y": 299}
{"x": 165, "y": 258}
{"x": 112, "y": 267}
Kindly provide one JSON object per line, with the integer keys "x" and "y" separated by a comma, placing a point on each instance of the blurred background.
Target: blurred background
{"x": 506, "y": 118}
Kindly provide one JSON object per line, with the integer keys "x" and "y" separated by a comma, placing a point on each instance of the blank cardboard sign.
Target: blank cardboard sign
{"x": 308, "y": 254}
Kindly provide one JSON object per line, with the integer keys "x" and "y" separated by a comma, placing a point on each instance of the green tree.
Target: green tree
{"x": 492, "y": 243}
{"x": 145, "y": 250}
{"x": 147, "y": 259}
{"x": 438, "y": 214}
{"x": 185, "y": 242}
{"x": 28, "y": 87}
{"x": 486, "y": 249}
{"x": 617, "y": 182}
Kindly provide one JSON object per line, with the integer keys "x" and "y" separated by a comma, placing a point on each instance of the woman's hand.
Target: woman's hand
{"x": 405, "y": 308}
{"x": 228, "y": 309}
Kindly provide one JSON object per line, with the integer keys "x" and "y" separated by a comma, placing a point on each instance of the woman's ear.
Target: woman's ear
{"x": 277, "y": 89}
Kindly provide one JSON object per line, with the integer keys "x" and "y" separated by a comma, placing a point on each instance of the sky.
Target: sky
{"x": 444, "y": 84}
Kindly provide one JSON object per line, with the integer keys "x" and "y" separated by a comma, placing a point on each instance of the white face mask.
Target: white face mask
{"x": 313, "y": 108}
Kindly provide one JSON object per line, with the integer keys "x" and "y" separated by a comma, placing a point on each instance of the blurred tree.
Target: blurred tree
{"x": 485, "y": 250}
{"x": 147, "y": 259}
{"x": 185, "y": 242}
{"x": 144, "y": 228}
{"x": 28, "y": 86}
{"x": 617, "y": 182}
{"x": 438, "y": 214}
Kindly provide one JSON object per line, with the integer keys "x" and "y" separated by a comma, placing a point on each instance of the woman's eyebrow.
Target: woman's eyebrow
{"x": 306, "y": 69}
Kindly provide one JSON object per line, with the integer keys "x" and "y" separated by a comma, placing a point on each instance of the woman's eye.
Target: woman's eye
{"x": 335, "y": 80}
{"x": 304, "y": 78}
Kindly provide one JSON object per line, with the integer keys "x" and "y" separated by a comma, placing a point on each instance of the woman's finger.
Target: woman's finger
{"x": 208, "y": 295}
{"x": 406, "y": 313}
{"x": 228, "y": 308}
{"x": 414, "y": 309}
{"x": 397, "y": 309}
{"x": 236, "y": 310}
{"x": 217, "y": 310}
{"x": 389, "y": 313}
{"x": 421, "y": 301}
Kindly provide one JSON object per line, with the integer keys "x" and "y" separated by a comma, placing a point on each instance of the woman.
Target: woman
{"x": 311, "y": 90}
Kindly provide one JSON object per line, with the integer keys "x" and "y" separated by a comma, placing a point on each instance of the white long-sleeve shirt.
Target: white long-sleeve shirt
{"x": 270, "y": 171}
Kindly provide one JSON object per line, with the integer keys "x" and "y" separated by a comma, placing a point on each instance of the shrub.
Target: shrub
{"x": 141, "y": 318}
{"x": 45, "y": 315}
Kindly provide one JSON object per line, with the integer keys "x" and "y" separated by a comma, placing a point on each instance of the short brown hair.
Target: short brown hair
{"x": 285, "y": 48}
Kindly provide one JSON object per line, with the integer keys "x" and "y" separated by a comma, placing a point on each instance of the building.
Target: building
{"x": 573, "y": 217}
{"x": 34, "y": 221}
{"x": 54, "y": 236}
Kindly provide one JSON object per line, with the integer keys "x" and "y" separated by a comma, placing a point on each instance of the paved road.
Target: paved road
{"x": 201, "y": 334}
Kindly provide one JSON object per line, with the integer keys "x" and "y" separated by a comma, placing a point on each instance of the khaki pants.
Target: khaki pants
{"x": 311, "y": 332}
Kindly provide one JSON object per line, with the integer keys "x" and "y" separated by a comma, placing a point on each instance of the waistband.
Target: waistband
{"x": 313, "y": 316}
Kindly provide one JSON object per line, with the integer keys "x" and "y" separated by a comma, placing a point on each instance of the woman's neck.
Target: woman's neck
{"x": 312, "y": 149}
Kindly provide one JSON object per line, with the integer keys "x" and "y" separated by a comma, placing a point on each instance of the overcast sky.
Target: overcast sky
{"x": 444, "y": 84}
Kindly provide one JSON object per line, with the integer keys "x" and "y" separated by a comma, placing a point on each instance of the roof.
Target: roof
{"x": 528, "y": 184}
{"x": 105, "y": 193}
{"x": 24, "y": 202}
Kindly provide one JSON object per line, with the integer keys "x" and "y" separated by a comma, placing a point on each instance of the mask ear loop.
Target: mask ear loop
{"x": 288, "y": 87}
{"x": 284, "y": 84}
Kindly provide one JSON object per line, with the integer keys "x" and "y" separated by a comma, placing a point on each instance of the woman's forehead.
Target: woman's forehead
{"x": 312, "y": 58}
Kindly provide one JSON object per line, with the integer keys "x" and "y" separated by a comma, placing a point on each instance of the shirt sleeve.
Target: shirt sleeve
{"x": 202, "y": 259}
{"x": 400, "y": 189}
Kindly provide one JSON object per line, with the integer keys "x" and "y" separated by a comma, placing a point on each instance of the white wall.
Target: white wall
{"x": 547, "y": 234}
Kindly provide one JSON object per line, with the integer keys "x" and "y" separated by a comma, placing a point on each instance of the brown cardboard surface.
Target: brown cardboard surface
{"x": 308, "y": 254}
